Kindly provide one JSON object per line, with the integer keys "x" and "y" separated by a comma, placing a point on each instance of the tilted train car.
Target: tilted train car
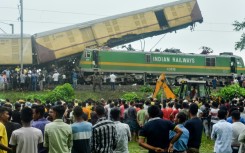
{"x": 116, "y": 30}
{"x": 177, "y": 64}
{"x": 10, "y": 49}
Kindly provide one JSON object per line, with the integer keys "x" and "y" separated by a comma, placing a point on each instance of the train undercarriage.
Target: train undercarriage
{"x": 149, "y": 78}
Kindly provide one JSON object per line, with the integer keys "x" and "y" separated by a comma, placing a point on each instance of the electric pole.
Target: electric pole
{"x": 21, "y": 35}
{"x": 12, "y": 26}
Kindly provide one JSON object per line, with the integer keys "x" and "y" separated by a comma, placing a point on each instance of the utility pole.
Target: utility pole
{"x": 12, "y": 26}
{"x": 21, "y": 36}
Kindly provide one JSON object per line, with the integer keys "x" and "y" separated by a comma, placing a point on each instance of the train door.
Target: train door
{"x": 233, "y": 65}
{"x": 95, "y": 59}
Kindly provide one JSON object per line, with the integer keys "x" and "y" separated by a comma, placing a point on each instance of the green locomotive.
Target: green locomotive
{"x": 136, "y": 66}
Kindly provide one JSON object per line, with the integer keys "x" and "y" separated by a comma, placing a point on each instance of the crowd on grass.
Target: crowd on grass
{"x": 107, "y": 126}
{"x": 33, "y": 79}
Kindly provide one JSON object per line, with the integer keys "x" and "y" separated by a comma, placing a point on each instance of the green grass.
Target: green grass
{"x": 206, "y": 146}
{"x": 135, "y": 148}
{"x": 79, "y": 94}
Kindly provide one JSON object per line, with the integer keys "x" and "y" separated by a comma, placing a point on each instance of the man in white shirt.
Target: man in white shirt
{"x": 222, "y": 134}
{"x": 27, "y": 138}
{"x": 123, "y": 132}
{"x": 112, "y": 81}
{"x": 237, "y": 128}
{"x": 56, "y": 78}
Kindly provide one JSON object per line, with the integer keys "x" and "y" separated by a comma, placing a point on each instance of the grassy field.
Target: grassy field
{"x": 206, "y": 146}
{"x": 83, "y": 94}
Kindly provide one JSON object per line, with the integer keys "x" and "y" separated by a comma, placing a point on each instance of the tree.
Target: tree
{"x": 206, "y": 50}
{"x": 238, "y": 27}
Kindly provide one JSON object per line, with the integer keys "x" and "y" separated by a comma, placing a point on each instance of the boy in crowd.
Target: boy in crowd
{"x": 27, "y": 138}
{"x": 82, "y": 131}
{"x": 123, "y": 132}
{"x": 195, "y": 128}
{"x": 57, "y": 134}
{"x": 4, "y": 116}
{"x": 155, "y": 132}
{"x": 222, "y": 134}
{"x": 180, "y": 146}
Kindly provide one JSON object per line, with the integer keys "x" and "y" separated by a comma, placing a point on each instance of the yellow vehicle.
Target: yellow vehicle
{"x": 162, "y": 83}
{"x": 189, "y": 89}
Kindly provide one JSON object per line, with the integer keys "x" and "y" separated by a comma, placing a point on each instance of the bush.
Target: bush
{"x": 41, "y": 97}
{"x": 62, "y": 92}
{"x": 176, "y": 90}
{"x": 230, "y": 92}
{"x": 130, "y": 96}
{"x": 146, "y": 88}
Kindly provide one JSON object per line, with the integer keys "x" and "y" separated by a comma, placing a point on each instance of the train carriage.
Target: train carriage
{"x": 116, "y": 30}
{"x": 10, "y": 49}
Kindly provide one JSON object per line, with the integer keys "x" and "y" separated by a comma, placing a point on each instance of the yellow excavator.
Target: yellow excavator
{"x": 189, "y": 89}
{"x": 162, "y": 83}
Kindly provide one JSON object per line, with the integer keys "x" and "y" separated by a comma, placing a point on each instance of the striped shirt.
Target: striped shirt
{"x": 82, "y": 132}
{"x": 104, "y": 136}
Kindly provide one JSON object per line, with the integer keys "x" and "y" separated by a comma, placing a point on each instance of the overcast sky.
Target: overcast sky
{"x": 215, "y": 32}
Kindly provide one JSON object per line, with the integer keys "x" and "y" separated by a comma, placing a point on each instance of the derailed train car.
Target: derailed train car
{"x": 116, "y": 30}
{"x": 10, "y": 50}
{"x": 138, "y": 64}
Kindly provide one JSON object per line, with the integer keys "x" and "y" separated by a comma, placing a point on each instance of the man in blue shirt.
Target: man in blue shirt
{"x": 81, "y": 131}
{"x": 39, "y": 122}
{"x": 180, "y": 146}
{"x": 229, "y": 119}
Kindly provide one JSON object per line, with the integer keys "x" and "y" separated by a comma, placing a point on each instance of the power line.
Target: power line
{"x": 158, "y": 41}
{"x": 4, "y": 23}
{"x": 3, "y": 31}
{"x": 222, "y": 23}
{"x": 78, "y": 13}
{"x": 44, "y": 22}
{"x": 51, "y": 11}
{"x": 90, "y": 14}
{"x": 214, "y": 31}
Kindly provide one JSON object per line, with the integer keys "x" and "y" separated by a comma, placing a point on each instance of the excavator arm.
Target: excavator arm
{"x": 161, "y": 83}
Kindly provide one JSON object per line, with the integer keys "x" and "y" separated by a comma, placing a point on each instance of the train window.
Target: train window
{"x": 88, "y": 54}
{"x": 210, "y": 61}
{"x": 148, "y": 58}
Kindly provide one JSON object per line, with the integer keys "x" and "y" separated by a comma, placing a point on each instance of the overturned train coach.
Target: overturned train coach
{"x": 134, "y": 66}
{"x": 109, "y": 31}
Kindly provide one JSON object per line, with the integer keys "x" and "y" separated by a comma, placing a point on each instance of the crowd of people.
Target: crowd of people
{"x": 32, "y": 79}
{"x": 235, "y": 79}
{"x": 107, "y": 126}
